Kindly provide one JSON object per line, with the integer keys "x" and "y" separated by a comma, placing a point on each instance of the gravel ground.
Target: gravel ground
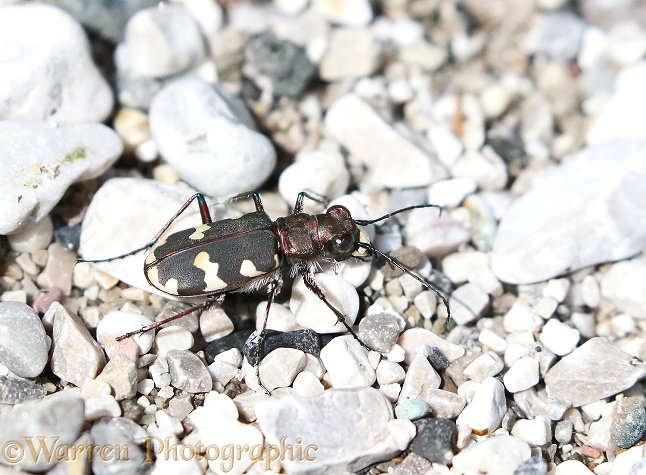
{"x": 522, "y": 120}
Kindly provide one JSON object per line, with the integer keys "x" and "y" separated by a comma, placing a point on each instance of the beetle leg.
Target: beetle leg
{"x": 311, "y": 284}
{"x": 152, "y": 326}
{"x": 248, "y": 194}
{"x": 204, "y": 213}
{"x": 272, "y": 290}
{"x": 298, "y": 207}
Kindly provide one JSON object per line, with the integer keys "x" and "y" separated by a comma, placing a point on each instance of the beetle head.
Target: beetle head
{"x": 340, "y": 235}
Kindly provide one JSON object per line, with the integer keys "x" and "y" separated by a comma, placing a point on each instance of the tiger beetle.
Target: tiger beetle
{"x": 251, "y": 252}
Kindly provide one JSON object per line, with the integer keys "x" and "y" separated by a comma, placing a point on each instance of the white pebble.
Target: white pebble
{"x": 426, "y": 303}
{"x": 558, "y": 337}
{"x": 222, "y": 372}
{"x": 37, "y": 236}
{"x": 104, "y": 406}
{"x": 486, "y": 365}
{"x": 523, "y": 374}
{"x": 450, "y": 193}
{"x": 145, "y": 386}
{"x": 311, "y": 312}
{"x": 391, "y": 391}
{"x": 536, "y": 432}
{"x": 347, "y": 363}
{"x": 389, "y": 372}
{"x": 493, "y": 341}
{"x": 173, "y": 338}
{"x": 500, "y": 455}
{"x": 279, "y": 368}
{"x": 415, "y": 340}
{"x": 420, "y": 375}
{"x": 467, "y": 303}
{"x": 494, "y": 99}
{"x": 485, "y": 411}
{"x": 215, "y": 323}
{"x": 590, "y": 291}
{"x": 307, "y": 384}
{"x": 347, "y": 12}
{"x": 280, "y": 318}
{"x": 115, "y": 324}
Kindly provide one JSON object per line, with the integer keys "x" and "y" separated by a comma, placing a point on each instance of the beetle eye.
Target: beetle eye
{"x": 343, "y": 244}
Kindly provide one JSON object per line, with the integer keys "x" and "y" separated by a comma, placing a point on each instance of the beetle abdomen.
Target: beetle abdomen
{"x": 202, "y": 260}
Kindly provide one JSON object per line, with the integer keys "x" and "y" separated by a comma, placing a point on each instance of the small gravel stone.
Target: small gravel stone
{"x": 99, "y": 407}
{"x": 444, "y": 404}
{"x": 628, "y": 422}
{"x": 58, "y": 70}
{"x": 307, "y": 384}
{"x": 115, "y": 324}
{"x": 121, "y": 374}
{"x": 24, "y": 346}
{"x": 486, "y": 365}
{"x": 536, "y": 432}
{"x": 178, "y": 43}
{"x": 450, "y": 193}
{"x": 623, "y": 285}
{"x": 563, "y": 432}
{"x": 17, "y": 391}
{"x": 558, "y": 337}
{"x": 187, "y": 322}
{"x": 412, "y": 409}
{"x": 380, "y": 332}
{"x": 312, "y": 312}
{"x": 437, "y": 358}
{"x": 286, "y": 64}
{"x": 348, "y": 13}
{"x": 59, "y": 269}
{"x": 180, "y": 406}
{"x": 416, "y": 339}
{"x": 389, "y": 372}
{"x": 234, "y": 159}
{"x": 360, "y": 420}
{"x": 46, "y": 298}
{"x": 532, "y": 466}
{"x": 279, "y": 368}
{"x": 420, "y": 375}
{"x": 305, "y": 340}
{"x": 188, "y": 372}
{"x": 173, "y": 338}
{"x": 500, "y": 455}
{"x": 435, "y": 440}
{"x": 76, "y": 356}
{"x": 36, "y": 236}
{"x": 119, "y": 432}
{"x": 351, "y": 53}
{"x": 214, "y": 323}
{"x": 493, "y": 340}
{"x": 280, "y": 318}
{"x": 487, "y": 407}
{"x": 434, "y": 235}
{"x": 594, "y": 371}
{"x": 523, "y": 374}
{"x": 413, "y": 464}
{"x": 56, "y": 416}
{"x": 485, "y": 167}
{"x": 347, "y": 363}
{"x": 348, "y": 121}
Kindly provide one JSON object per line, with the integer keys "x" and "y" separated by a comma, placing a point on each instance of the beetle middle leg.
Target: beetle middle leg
{"x": 272, "y": 290}
{"x": 311, "y": 284}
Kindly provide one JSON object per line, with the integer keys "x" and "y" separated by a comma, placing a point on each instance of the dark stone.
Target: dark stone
{"x": 532, "y": 466}
{"x": 437, "y": 358}
{"x": 285, "y": 63}
{"x": 131, "y": 410}
{"x": 16, "y": 391}
{"x": 511, "y": 149}
{"x": 628, "y": 422}
{"x": 435, "y": 440}
{"x": 69, "y": 237}
{"x": 305, "y": 340}
{"x": 236, "y": 339}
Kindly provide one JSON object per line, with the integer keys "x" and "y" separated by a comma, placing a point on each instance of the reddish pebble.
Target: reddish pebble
{"x": 126, "y": 347}
{"x": 591, "y": 452}
{"x": 46, "y": 297}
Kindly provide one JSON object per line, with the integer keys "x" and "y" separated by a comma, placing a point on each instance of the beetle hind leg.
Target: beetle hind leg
{"x": 272, "y": 290}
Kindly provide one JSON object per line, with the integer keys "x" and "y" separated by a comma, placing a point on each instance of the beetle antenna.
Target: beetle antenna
{"x": 363, "y": 222}
{"x": 401, "y": 267}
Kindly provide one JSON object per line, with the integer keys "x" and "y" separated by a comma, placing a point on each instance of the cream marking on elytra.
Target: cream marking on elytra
{"x": 150, "y": 258}
{"x": 170, "y": 286}
{"x": 211, "y": 279}
{"x": 248, "y": 269}
{"x": 199, "y": 232}
{"x": 277, "y": 260}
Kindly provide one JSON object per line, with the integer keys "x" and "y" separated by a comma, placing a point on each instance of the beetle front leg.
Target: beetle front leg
{"x": 311, "y": 284}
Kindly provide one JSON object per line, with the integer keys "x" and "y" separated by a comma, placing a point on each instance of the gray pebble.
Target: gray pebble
{"x": 187, "y": 372}
{"x": 435, "y": 440}
{"x": 76, "y": 355}
{"x": 207, "y": 134}
{"x": 628, "y": 422}
{"x": 380, "y": 332}
{"x": 59, "y": 415}
{"x": 283, "y": 62}
{"x": 413, "y": 464}
{"x": 55, "y": 77}
{"x": 24, "y": 346}
{"x": 121, "y": 374}
{"x": 532, "y": 466}
{"x": 119, "y": 432}
{"x": 563, "y": 432}
{"x": 35, "y": 177}
{"x": 16, "y": 391}
{"x": 180, "y": 406}
{"x": 131, "y": 409}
